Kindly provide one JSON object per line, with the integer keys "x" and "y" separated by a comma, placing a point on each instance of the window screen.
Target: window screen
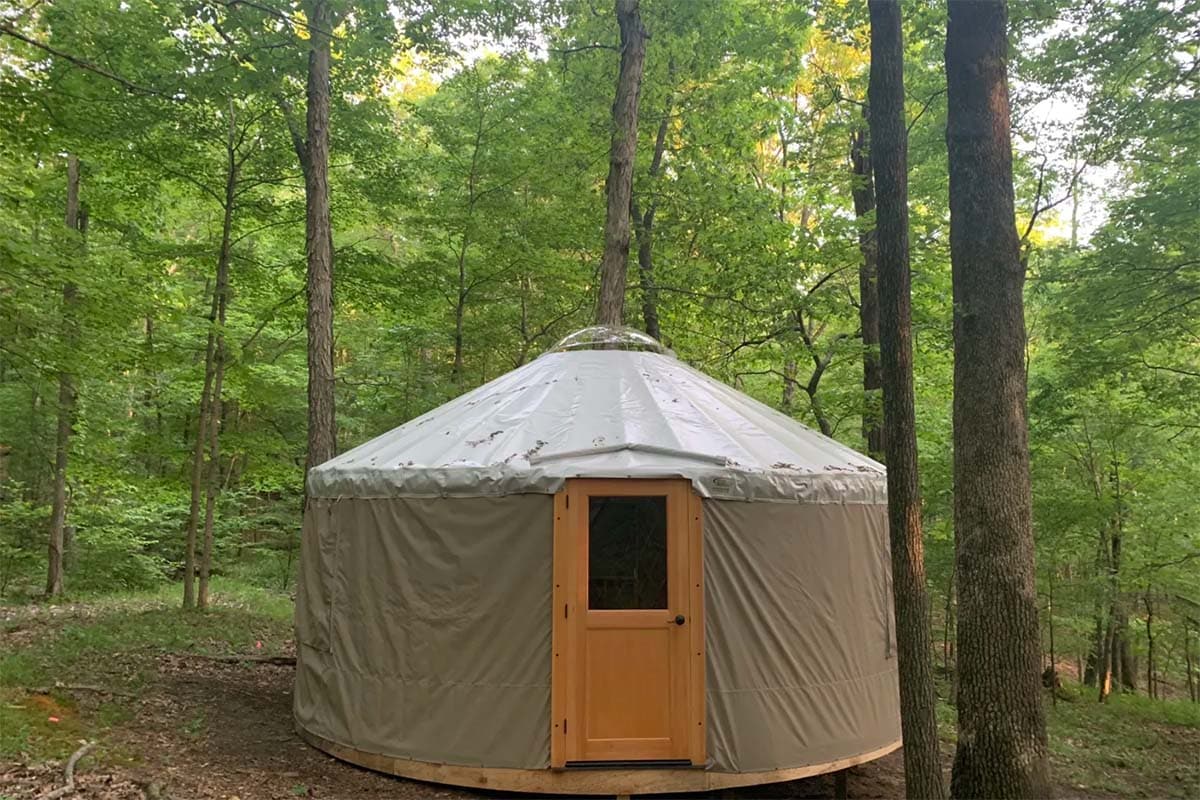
{"x": 627, "y": 552}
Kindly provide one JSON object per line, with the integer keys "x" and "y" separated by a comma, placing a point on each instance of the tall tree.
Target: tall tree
{"x": 643, "y": 222}
{"x": 313, "y": 151}
{"x": 203, "y": 419}
{"x": 76, "y": 222}
{"x": 1002, "y": 750}
{"x": 218, "y": 355}
{"x": 889, "y": 160}
{"x": 863, "y": 192}
{"x": 619, "y": 186}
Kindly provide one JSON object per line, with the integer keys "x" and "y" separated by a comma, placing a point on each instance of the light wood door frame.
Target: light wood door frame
{"x": 570, "y": 615}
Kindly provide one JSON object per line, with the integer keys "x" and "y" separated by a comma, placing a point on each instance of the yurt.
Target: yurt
{"x": 603, "y": 572}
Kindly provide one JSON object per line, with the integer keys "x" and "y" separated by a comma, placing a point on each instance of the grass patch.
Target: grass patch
{"x": 113, "y": 643}
{"x": 1130, "y": 746}
{"x": 44, "y": 726}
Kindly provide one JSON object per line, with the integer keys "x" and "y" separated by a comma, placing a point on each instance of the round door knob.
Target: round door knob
{"x": 680, "y": 619}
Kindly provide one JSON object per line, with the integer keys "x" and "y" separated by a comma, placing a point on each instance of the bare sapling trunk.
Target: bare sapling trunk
{"x": 619, "y": 186}
{"x": 213, "y": 477}
{"x": 643, "y": 223}
{"x": 322, "y": 432}
{"x": 1002, "y": 750}
{"x": 213, "y": 428}
{"x": 1122, "y": 651}
{"x": 66, "y": 397}
{"x": 464, "y": 287}
{"x": 197, "y": 472}
{"x": 948, "y": 624}
{"x": 1151, "y": 680}
{"x": 889, "y": 160}
{"x": 1050, "y": 629}
{"x": 1192, "y": 684}
{"x": 788, "y": 400}
{"x": 863, "y": 192}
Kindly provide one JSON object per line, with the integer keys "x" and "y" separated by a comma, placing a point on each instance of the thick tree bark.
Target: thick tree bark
{"x": 889, "y": 159}
{"x": 643, "y": 224}
{"x": 1128, "y": 662}
{"x": 619, "y": 186}
{"x": 66, "y": 399}
{"x": 868, "y": 294}
{"x": 1105, "y": 677}
{"x": 322, "y": 431}
{"x": 1002, "y": 750}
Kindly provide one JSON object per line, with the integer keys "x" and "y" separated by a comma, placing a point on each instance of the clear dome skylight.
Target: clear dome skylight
{"x": 609, "y": 337}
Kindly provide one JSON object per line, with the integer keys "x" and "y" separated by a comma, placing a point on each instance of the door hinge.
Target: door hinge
{"x": 568, "y": 501}
{"x": 565, "y": 607}
{"x": 564, "y": 727}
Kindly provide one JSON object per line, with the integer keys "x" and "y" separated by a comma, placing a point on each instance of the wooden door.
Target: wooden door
{"x": 628, "y": 682}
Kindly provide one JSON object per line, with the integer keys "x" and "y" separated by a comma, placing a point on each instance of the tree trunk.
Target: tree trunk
{"x": 820, "y": 364}
{"x": 1053, "y": 654}
{"x": 213, "y": 479}
{"x": 197, "y": 478}
{"x": 1002, "y": 749}
{"x": 1151, "y": 688}
{"x": 322, "y": 432}
{"x": 1093, "y": 657}
{"x": 818, "y": 409}
{"x": 1114, "y": 655}
{"x": 788, "y": 400}
{"x": 918, "y": 702}
{"x": 66, "y": 398}
{"x": 1187, "y": 660}
{"x": 643, "y": 223}
{"x": 218, "y": 354}
{"x": 460, "y": 311}
{"x": 150, "y": 404}
{"x": 1104, "y": 671}
{"x": 948, "y": 625}
{"x": 1125, "y": 675}
{"x": 868, "y": 294}
{"x": 1125, "y": 653}
{"x": 619, "y": 186}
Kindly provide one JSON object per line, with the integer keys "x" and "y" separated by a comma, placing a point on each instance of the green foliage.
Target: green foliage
{"x": 469, "y": 148}
{"x": 20, "y": 556}
{"x": 95, "y": 648}
{"x": 1129, "y": 746}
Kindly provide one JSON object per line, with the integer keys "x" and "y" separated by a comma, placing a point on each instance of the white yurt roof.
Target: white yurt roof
{"x": 627, "y": 410}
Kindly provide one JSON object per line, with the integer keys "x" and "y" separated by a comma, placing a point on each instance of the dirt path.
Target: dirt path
{"x": 213, "y": 730}
{"x": 217, "y": 731}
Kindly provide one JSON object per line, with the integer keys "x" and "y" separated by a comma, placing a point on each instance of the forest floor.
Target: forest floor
{"x": 170, "y": 723}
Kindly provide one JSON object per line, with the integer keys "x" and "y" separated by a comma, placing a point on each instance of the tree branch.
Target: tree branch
{"x": 297, "y": 133}
{"x": 582, "y": 48}
{"x": 130, "y": 86}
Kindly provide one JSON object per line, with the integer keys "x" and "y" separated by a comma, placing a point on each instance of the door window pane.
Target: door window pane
{"x": 627, "y": 552}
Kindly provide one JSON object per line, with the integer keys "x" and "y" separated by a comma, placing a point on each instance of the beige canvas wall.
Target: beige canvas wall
{"x": 801, "y": 649}
{"x": 423, "y": 630}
